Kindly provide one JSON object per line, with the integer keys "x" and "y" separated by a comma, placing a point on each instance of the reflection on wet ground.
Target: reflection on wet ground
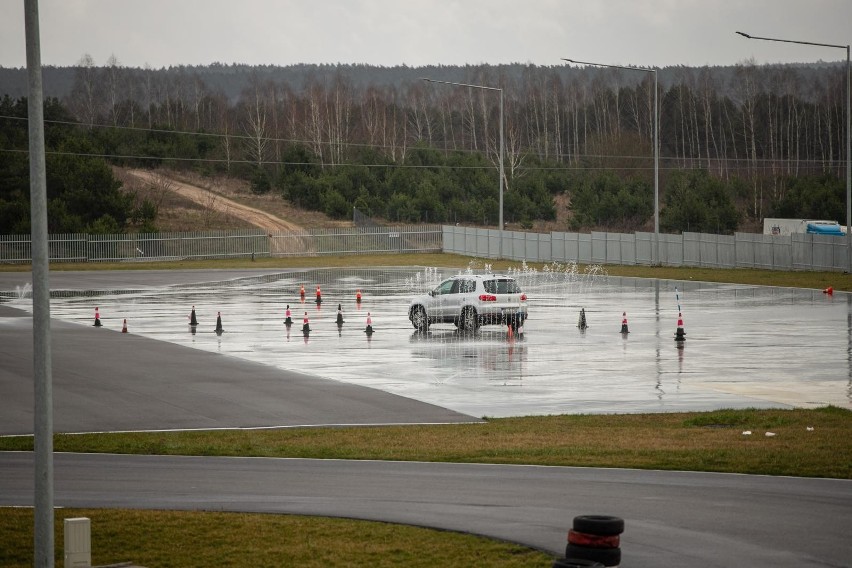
{"x": 746, "y": 346}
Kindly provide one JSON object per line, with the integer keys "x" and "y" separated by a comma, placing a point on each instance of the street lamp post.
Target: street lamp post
{"x": 656, "y": 252}
{"x": 848, "y": 134}
{"x": 500, "y": 166}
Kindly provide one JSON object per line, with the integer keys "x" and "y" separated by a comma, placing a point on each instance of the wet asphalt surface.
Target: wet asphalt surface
{"x": 746, "y": 346}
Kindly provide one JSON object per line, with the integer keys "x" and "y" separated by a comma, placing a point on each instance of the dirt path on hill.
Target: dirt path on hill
{"x": 206, "y": 198}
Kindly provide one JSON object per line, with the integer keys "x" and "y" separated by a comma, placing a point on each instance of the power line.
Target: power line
{"x": 750, "y": 162}
{"x": 752, "y": 167}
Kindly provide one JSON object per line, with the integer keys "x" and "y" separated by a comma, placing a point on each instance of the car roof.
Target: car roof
{"x": 482, "y": 276}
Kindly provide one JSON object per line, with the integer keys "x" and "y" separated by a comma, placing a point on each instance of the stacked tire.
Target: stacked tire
{"x": 595, "y": 538}
{"x": 576, "y": 563}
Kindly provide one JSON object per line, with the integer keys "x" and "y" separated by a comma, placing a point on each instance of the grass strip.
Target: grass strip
{"x": 794, "y": 279}
{"x": 240, "y": 540}
{"x": 807, "y": 442}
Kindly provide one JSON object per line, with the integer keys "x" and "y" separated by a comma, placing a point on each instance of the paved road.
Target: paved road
{"x": 104, "y": 380}
{"x": 672, "y": 518}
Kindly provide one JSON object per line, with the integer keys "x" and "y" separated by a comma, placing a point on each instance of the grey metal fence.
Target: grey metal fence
{"x": 226, "y": 244}
{"x": 742, "y": 250}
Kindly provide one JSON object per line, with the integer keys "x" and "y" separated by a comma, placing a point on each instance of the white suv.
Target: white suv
{"x": 469, "y": 301}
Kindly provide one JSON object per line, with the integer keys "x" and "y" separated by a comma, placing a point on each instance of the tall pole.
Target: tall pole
{"x": 501, "y": 173}
{"x": 43, "y": 388}
{"x": 655, "y": 252}
{"x": 848, "y": 134}
{"x": 848, "y": 163}
{"x": 656, "y": 259}
{"x": 500, "y": 165}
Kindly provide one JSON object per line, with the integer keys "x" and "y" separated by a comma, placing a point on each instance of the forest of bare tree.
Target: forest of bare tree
{"x": 754, "y": 127}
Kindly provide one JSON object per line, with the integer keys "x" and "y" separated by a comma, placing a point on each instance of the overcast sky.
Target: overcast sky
{"x": 423, "y": 32}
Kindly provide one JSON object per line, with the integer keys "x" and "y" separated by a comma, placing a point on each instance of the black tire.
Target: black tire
{"x": 419, "y": 319}
{"x": 606, "y": 556}
{"x": 469, "y": 321}
{"x": 601, "y": 525}
{"x": 576, "y": 563}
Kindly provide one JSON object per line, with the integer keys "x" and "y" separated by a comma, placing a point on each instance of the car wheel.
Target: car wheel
{"x": 419, "y": 319}
{"x": 469, "y": 320}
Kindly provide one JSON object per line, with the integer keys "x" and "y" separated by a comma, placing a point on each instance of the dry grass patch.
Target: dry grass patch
{"x": 175, "y": 538}
{"x": 711, "y": 441}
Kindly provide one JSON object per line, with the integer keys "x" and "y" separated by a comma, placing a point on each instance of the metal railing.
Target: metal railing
{"x": 742, "y": 250}
{"x": 137, "y": 247}
{"x": 798, "y": 251}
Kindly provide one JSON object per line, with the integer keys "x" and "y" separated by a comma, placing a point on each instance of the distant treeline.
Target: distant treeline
{"x": 737, "y": 143}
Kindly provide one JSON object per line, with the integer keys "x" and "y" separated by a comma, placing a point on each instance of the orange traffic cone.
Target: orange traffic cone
{"x": 319, "y": 296}
{"x": 680, "y": 334}
{"x": 624, "y": 323}
{"x": 829, "y": 291}
{"x": 358, "y": 296}
{"x": 302, "y": 291}
{"x": 124, "y": 326}
{"x": 97, "y": 318}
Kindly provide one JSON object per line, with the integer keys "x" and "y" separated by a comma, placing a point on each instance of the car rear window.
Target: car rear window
{"x": 505, "y": 286}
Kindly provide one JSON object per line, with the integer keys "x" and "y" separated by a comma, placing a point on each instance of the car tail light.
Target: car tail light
{"x": 523, "y": 297}
{"x": 487, "y": 298}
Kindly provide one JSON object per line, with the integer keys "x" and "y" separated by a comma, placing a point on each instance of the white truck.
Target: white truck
{"x": 784, "y": 227}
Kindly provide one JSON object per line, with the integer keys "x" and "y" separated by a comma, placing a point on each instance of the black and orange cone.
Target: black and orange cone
{"x": 124, "y": 326}
{"x": 97, "y": 318}
{"x": 680, "y": 334}
{"x": 219, "y": 329}
{"x": 581, "y": 323}
{"x": 319, "y": 296}
{"x": 339, "y": 315}
{"x": 288, "y": 317}
{"x": 624, "y": 323}
{"x": 193, "y": 321}
{"x": 306, "y": 327}
{"x": 369, "y": 329}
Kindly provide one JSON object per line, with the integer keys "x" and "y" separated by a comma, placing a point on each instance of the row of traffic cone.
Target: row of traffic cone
{"x": 680, "y": 334}
{"x": 306, "y": 328}
{"x": 193, "y": 322}
{"x": 319, "y": 295}
{"x": 99, "y": 324}
{"x": 219, "y": 329}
